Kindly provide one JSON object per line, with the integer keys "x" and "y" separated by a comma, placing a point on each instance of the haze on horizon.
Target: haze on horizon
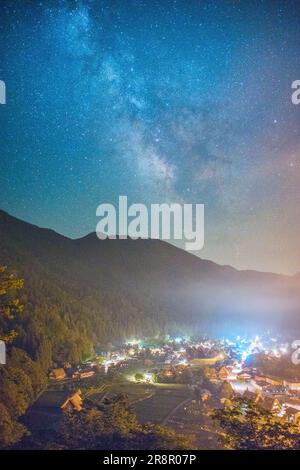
{"x": 163, "y": 102}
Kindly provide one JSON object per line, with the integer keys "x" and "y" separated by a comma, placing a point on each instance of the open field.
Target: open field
{"x": 160, "y": 404}
{"x": 152, "y": 403}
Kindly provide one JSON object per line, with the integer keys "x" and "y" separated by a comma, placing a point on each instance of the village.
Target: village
{"x": 199, "y": 373}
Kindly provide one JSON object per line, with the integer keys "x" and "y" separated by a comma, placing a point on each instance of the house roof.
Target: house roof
{"x": 75, "y": 400}
{"x": 269, "y": 402}
{"x": 292, "y": 401}
{"x": 244, "y": 374}
{"x": 260, "y": 383}
{"x": 292, "y": 411}
{"x": 269, "y": 377}
{"x": 58, "y": 372}
{"x": 249, "y": 395}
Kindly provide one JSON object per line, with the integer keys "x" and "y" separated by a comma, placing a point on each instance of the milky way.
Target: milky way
{"x": 163, "y": 101}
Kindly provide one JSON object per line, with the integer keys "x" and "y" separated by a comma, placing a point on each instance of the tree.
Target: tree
{"x": 118, "y": 416}
{"x": 110, "y": 426}
{"x": 81, "y": 430}
{"x": 139, "y": 377}
{"x": 10, "y": 431}
{"x": 16, "y": 390}
{"x": 226, "y": 390}
{"x": 157, "y": 437}
{"x": 247, "y": 426}
{"x": 183, "y": 375}
{"x": 9, "y": 305}
{"x": 209, "y": 373}
{"x": 115, "y": 426}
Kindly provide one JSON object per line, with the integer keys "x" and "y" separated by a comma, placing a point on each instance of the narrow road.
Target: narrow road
{"x": 166, "y": 419}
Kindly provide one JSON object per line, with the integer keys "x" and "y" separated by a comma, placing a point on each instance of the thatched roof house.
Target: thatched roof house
{"x": 57, "y": 374}
{"x": 74, "y": 402}
{"x": 271, "y": 404}
{"x": 255, "y": 397}
{"x": 293, "y": 415}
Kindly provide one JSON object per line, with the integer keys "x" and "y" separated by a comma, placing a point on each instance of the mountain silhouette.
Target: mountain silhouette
{"x": 156, "y": 280}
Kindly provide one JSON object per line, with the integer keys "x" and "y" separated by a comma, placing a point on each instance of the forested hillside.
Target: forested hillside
{"x": 61, "y": 320}
{"x": 80, "y": 294}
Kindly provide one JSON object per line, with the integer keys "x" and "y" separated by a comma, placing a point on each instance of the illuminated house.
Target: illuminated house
{"x": 275, "y": 389}
{"x": 271, "y": 404}
{"x": 268, "y": 380}
{"x": 255, "y": 397}
{"x": 223, "y": 373}
{"x": 291, "y": 402}
{"x": 57, "y": 374}
{"x": 73, "y": 403}
{"x": 293, "y": 415}
{"x": 243, "y": 376}
{"x": 83, "y": 374}
{"x": 292, "y": 384}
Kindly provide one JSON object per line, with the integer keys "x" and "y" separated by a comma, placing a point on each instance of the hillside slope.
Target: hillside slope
{"x": 144, "y": 284}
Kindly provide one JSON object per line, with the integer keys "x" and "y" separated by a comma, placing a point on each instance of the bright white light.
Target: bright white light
{"x": 106, "y": 365}
{"x": 134, "y": 342}
{"x": 182, "y": 362}
{"x": 148, "y": 377}
{"x": 245, "y": 354}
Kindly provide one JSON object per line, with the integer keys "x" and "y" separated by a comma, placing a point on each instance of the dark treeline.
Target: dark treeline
{"x": 55, "y": 326}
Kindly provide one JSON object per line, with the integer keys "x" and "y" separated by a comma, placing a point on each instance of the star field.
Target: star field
{"x": 163, "y": 101}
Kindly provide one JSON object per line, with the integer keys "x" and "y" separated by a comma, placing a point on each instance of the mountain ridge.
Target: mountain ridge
{"x": 145, "y": 272}
{"x": 93, "y": 236}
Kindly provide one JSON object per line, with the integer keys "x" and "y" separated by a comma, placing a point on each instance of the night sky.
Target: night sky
{"x": 163, "y": 101}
